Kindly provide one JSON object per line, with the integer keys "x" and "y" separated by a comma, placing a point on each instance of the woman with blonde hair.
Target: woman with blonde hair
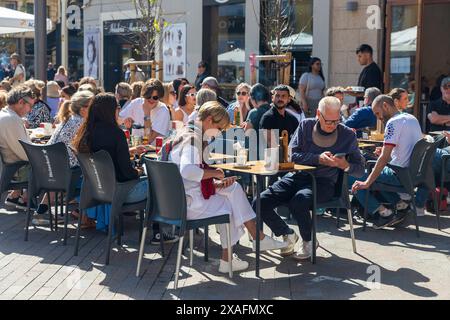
{"x": 170, "y": 97}
{"x": 61, "y": 75}
{"x": 208, "y": 192}
{"x": 3, "y": 96}
{"x": 242, "y": 102}
{"x": 77, "y": 111}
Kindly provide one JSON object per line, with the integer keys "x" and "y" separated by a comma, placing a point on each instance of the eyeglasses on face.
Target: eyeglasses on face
{"x": 191, "y": 95}
{"x": 446, "y": 87}
{"x": 330, "y": 122}
{"x": 174, "y": 93}
{"x": 242, "y": 93}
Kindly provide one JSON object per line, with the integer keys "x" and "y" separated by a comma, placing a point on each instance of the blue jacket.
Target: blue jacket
{"x": 362, "y": 118}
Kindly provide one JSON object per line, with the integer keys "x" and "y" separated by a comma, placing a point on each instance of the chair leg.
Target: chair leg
{"x": 66, "y": 221}
{"x": 56, "y": 210}
{"x": 161, "y": 241}
{"x": 28, "y": 219}
{"x": 177, "y": 268}
{"x": 141, "y": 250}
{"x": 50, "y": 211}
{"x": 77, "y": 237}
{"x": 366, "y": 203}
{"x": 352, "y": 231}
{"x": 415, "y": 217}
{"x": 338, "y": 217}
{"x": 141, "y": 223}
{"x": 230, "y": 251}
{"x": 206, "y": 243}
{"x": 120, "y": 230}
{"x": 437, "y": 203}
{"x": 191, "y": 247}
{"x": 110, "y": 231}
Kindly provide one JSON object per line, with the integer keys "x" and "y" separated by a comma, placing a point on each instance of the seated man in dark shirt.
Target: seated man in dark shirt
{"x": 364, "y": 117}
{"x": 327, "y": 145}
{"x": 277, "y": 118}
{"x": 440, "y": 109}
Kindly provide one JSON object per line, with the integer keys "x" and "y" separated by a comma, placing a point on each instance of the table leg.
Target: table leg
{"x": 314, "y": 218}
{"x": 258, "y": 221}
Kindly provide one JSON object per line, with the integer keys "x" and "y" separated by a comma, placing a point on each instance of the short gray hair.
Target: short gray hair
{"x": 329, "y": 103}
{"x": 372, "y": 93}
{"x": 205, "y": 95}
{"x": 79, "y": 100}
{"x": 18, "y": 93}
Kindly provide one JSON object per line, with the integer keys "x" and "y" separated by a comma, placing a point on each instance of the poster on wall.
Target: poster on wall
{"x": 174, "y": 51}
{"x": 91, "y": 53}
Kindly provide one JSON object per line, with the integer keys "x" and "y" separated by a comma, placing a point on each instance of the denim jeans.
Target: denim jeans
{"x": 387, "y": 177}
{"x": 294, "y": 190}
{"x": 139, "y": 192}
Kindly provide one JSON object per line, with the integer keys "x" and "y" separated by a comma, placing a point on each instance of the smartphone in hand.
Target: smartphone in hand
{"x": 340, "y": 155}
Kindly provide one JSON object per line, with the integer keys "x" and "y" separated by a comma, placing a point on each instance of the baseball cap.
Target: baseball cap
{"x": 211, "y": 81}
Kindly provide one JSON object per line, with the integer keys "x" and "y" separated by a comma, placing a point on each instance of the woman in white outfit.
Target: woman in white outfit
{"x": 229, "y": 197}
{"x": 186, "y": 103}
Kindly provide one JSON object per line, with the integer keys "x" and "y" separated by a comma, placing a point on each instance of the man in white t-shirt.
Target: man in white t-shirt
{"x": 401, "y": 135}
{"x": 19, "y": 71}
{"x": 148, "y": 108}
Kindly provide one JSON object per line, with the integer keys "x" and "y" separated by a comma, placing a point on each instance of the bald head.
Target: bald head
{"x": 384, "y": 107}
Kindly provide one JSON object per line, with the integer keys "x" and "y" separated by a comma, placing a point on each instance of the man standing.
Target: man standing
{"x": 326, "y": 144}
{"x": 201, "y": 75}
{"x": 20, "y": 100}
{"x": 440, "y": 109}
{"x": 50, "y": 72}
{"x": 19, "y": 75}
{"x": 371, "y": 75}
{"x": 277, "y": 118}
{"x": 401, "y": 135}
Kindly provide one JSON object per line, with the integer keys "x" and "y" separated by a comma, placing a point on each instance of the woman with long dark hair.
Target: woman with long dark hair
{"x": 100, "y": 131}
{"x": 311, "y": 87}
{"x": 186, "y": 103}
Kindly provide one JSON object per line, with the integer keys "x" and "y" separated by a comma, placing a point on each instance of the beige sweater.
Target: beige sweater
{"x": 11, "y": 130}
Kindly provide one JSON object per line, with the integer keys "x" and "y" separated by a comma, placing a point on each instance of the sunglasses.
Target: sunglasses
{"x": 446, "y": 87}
{"x": 242, "y": 93}
{"x": 174, "y": 93}
{"x": 155, "y": 98}
{"x": 330, "y": 122}
{"x": 191, "y": 95}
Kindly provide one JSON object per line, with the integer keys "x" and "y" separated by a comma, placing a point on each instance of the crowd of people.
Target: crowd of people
{"x": 323, "y": 132}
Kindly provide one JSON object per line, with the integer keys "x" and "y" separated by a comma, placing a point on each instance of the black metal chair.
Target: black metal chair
{"x": 166, "y": 203}
{"x": 419, "y": 173}
{"x": 50, "y": 172}
{"x": 7, "y": 171}
{"x": 100, "y": 187}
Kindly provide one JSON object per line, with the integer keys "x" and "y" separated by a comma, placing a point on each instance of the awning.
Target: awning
{"x": 233, "y": 57}
{"x": 13, "y": 21}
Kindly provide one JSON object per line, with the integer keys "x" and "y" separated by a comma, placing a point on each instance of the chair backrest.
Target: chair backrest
{"x": 99, "y": 179}
{"x": 166, "y": 191}
{"x": 49, "y": 166}
{"x": 421, "y": 161}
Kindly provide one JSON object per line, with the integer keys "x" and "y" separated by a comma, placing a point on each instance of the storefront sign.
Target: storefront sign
{"x": 117, "y": 27}
{"x": 174, "y": 51}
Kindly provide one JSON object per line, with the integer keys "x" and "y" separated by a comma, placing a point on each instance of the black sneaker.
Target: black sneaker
{"x": 383, "y": 222}
{"x": 168, "y": 238}
{"x": 16, "y": 202}
{"x": 399, "y": 217}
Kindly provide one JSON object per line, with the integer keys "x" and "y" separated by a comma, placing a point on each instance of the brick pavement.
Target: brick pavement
{"x": 42, "y": 268}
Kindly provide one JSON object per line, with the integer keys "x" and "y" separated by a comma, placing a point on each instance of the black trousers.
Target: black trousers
{"x": 294, "y": 191}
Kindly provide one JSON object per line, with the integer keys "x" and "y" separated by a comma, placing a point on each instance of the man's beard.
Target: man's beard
{"x": 280, "y": 106}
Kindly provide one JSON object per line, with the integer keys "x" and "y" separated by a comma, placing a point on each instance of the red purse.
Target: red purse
{"x": 207, "y": 186}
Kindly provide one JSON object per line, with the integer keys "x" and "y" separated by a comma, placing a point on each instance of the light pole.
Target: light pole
{"x": 40, "y": 40}
{"x": 64, "y": 35}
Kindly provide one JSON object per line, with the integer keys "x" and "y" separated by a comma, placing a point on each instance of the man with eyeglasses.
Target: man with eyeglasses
{"x": 148, "y": 109}
{"x": 20, "y": 100}
{"x": 326, "y": 144}
{"x": 440, "y": 109}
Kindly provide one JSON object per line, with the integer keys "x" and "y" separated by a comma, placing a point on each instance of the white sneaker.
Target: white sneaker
{"x": 420, "y": 212}
{"x": 305, "y": 250}
{"x": 236, "y": 264}
{"x": 291, "y": 240}
{"x": 269, "y": 243}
